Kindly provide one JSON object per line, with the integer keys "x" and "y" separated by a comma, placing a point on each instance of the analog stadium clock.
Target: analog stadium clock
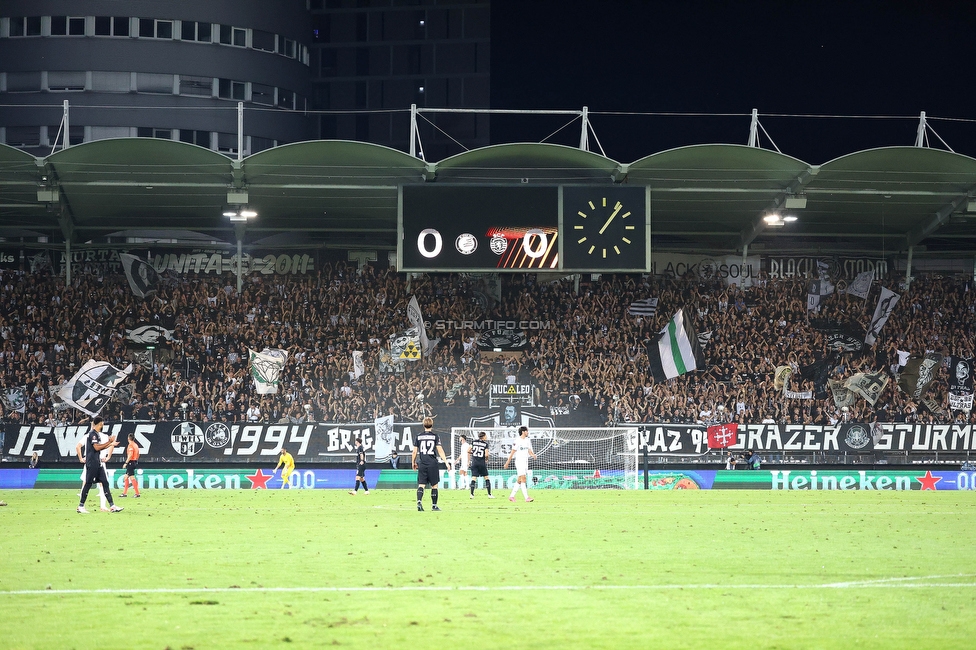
{"x": 604, "y": 228}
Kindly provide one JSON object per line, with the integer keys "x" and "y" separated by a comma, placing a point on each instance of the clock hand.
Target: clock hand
{"x": 616, "y": 209}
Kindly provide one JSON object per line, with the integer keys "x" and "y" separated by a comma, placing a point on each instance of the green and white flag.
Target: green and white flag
{"x": 676, "y": 351}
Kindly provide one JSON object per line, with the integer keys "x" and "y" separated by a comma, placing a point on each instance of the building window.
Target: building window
{"x": 151, "y": 82}
{"x": 67, "y": 26}
{"x": 110, "y": 82}
{"x": 227, "y": 142}
{"x": 194, "y": 31}
{"x": 286, "y": 98}
{"x": 149, "y": 132}
{"x": 230, "y": 35}
{"x": 29, "y": 26}
{"x": 286, "y": 47}
{"x": 261, "y": 94}
{"x": 57, "y": 80}
{"x": 151, "y": 28}
{"x": 22, "y": 82}
{"x": 24, "y": 136}
{"x": 111, "y": 26}
{"x": 197, "y": 86}
{"x": 199, "y": 138}
{"x": 261, "y": 40}
{"x": 230, "y": 89}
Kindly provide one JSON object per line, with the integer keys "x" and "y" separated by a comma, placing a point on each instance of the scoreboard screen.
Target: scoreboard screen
{"x": 523, "y": 228}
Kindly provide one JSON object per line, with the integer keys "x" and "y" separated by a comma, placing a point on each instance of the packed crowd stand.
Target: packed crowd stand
{"x": 591, "y": 357}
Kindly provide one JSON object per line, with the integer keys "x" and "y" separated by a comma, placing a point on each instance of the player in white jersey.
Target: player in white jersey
{"x": 521, "y": 450}
{"x": 463, "y": 461}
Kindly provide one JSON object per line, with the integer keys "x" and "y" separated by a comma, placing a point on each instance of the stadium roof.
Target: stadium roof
{"x": 704, "y": 198}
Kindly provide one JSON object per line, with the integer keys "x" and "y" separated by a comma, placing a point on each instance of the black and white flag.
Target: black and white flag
{"x": 266, "y": 367}
{"x": 416, "y": 318}
{"x": 886, "y": 304}
{"x": 147, "y": 334}
{"x": 868, "y": 385}
{"x": 141, "y": 275}
{"x": 842, "y": 395}
{"x": 918, "y": 374}
{"x": 93, "y": 386}
{"x": 960, "y": 384}
{"x": 816, "y": 291}
{"x": 848, "y": 338}
{"x": 861, "y": 285}
{"x": 705, "y": 337}
{"x": 57, "y": 403}
{"x": 646, "y": 307}
{"x": 14, "y": 398}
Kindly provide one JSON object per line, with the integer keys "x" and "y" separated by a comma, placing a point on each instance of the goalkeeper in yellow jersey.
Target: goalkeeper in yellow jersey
{"x": 287, "y": 462}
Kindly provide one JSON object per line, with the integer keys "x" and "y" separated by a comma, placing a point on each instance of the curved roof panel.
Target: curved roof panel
{"x": 527, "y": 162}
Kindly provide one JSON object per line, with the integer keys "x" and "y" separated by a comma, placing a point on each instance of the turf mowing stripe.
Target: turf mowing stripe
{"x": 886, "y": 583}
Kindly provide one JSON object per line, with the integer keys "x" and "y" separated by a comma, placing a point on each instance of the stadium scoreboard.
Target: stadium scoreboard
{"x": 524, "y": 228}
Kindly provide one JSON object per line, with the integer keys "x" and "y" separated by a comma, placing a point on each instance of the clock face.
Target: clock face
{"x": 604, "y": 228}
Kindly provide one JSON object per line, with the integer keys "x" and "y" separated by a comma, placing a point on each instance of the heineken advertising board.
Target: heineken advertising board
{"x": 343, "y": 479}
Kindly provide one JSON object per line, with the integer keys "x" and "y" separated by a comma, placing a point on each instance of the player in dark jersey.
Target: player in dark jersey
{"x": 94, "y": 470}
{"x": 479, "y": 463}
{"x": 426, "y": 451}
{"x": 360, "y": 467}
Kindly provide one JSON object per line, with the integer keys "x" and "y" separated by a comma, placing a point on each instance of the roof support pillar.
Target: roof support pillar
{"x": 67, "y": 263}
{"x": 240, "y": 130}
{"x": 920, "y": 134}
{"x": 67, "y": 130}
{"x": 742, "y": 267}
{"x": 239, "y": 231}
{"x": 415, "y": 135}
{"x": 585, "y": 131}
{"x": 754, "y": 129}
{"x": 908, "y": 268}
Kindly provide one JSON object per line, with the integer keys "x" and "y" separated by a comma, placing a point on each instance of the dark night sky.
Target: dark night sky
{"x": 698, "y": 56}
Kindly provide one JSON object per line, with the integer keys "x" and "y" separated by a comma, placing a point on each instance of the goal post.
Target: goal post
{"x": 568, "y": 457}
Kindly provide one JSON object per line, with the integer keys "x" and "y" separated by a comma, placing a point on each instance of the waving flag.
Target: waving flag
{"x": 93, "y": 386}
{"x": 141, "y": 275}
{"x": 677, "y": 350}
{"x": 721, "y": 436}
{"x": 645, "y": 307}
{"x": 266, "y": 367}
{"x": 886, "y": 304}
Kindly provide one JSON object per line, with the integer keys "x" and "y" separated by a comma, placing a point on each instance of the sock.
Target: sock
{"x": 135, "y": 485}
{"x": 474, "y": 484}
{"x": 356, "y": 489}
{"x": 420, "y": 494}
{"x": 433, "y": 495}
{"x": 125, "y": 484}
{"x": 101, "y": 496}
{"x": 488, "y": 485}
{"x": 514, "y": 490}
{"x": 525, "y": 491}
{"x": 365, "y": 487}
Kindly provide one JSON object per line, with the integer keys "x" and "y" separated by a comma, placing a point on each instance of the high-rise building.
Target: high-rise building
{"x": 381, "y": 56}
{"x": 174, "y": 70}
{"x": 178, "y": 69}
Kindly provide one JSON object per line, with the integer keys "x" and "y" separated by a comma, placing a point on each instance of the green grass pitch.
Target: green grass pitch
{"x": 574, "y": 569}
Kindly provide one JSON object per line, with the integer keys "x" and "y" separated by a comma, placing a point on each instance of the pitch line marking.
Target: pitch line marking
{"x": 884, "y": 583}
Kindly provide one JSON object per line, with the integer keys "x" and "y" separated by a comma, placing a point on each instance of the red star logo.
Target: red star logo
{"x": 260, "y": 482}
{"x": 928, "y": 481}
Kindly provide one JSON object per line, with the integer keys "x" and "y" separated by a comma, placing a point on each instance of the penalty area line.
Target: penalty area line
{"x": 924, "y": 582}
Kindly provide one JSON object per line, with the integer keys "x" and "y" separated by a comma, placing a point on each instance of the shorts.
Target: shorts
{"x": 130, "y": 469}
{"x": 521, "y": 469}
{"x": 479, "y": 469}
{"x": 463, "y": 468}
{"x": 361, "y": 471}
{"x": 428, "y": 474}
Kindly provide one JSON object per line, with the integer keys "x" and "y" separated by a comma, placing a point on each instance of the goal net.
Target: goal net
{"x": 568, "y": 457}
